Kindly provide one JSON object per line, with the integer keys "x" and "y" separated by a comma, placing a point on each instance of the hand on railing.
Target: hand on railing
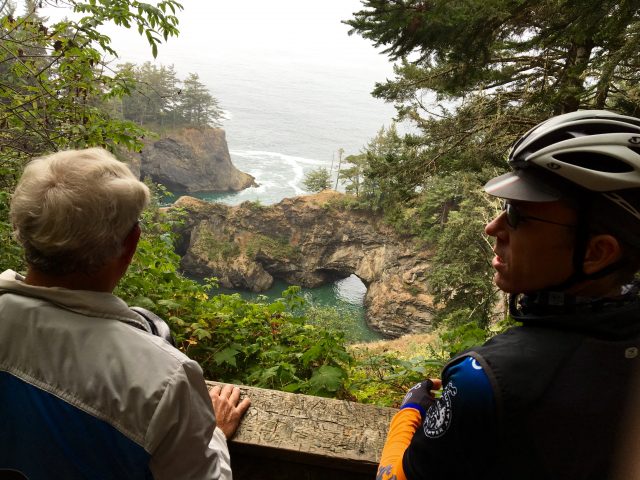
{"x": 228, "y": 408}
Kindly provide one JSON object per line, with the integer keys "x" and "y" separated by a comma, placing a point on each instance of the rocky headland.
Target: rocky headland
{"x": 309, "y": 241}
{"x": 190, "y": 160}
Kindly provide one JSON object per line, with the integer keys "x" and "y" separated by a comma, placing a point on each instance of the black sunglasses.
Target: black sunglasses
{"x": 514, "y": 217}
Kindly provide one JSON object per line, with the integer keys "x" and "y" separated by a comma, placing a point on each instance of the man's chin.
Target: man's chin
{"x": 503, "y": 283}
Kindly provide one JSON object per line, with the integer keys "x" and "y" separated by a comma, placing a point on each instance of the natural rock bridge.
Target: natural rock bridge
{"x": 309, "y": 241}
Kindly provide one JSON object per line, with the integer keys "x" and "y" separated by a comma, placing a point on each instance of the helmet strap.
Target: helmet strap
{"x": 580, "y": 251}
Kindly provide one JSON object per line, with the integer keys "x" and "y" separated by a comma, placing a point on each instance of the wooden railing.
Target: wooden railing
{"x": 288, "y": 436}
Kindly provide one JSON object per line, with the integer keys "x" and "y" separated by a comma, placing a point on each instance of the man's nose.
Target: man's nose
{"x": 494, "y": 226}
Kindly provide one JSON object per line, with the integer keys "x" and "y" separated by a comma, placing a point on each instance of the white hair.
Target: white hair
{"x": 72, "y": 210}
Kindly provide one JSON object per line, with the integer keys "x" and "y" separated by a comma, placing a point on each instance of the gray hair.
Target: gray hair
{"x": 72, "y": 210}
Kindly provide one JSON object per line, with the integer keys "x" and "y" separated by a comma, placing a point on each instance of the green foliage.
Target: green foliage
{"x": 196, "y": 106}
{"x": 217, "y": 248}
{"x": 463, "y": 337}
{"x": 152, "y": 96}
{"x": 264, "y": 344}
{"x": 557, "y": 55}
{"x": 55, "y": 80}
{"x": 11, "y": 255}
{"x": 353, "y": 176}
{"x": 317, "y": 180}
{"x": 159, "y": 100}
{"x": 453, "y": 211}
{"x": 254, "y": 205}
{"x": 473, "y": 76}
{"x": 391, "y": 172}
{"x": 383, "y": 379}
{"x": 279, "y": 248}
{"x": 340, "y": 319}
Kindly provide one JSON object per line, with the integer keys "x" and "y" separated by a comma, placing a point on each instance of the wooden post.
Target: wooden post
{"x": 287, "y": 436}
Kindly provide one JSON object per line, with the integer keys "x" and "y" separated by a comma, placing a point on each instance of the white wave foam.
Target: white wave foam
{"x": 283, "y": 170}
{"x": 282, "y": 156}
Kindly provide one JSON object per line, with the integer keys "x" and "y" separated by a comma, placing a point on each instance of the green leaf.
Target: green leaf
{"x": 228, "y": 356}
{"x": 327, "y": 378}
{"x": 171, "y": 304}
{"x": 292, "y": 387}
{"x": 144, "y": 302}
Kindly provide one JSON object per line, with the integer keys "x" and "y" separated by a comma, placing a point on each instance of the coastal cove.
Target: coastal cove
{"x": 310, "y": 241}
{"x": 346, "y": 295}
{"x": 289, "y": 106}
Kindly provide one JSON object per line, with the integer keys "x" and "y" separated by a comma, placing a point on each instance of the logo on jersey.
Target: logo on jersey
{"x": 439, "y": 415}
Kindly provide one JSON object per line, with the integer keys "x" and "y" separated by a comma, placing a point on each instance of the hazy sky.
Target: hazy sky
{"x": 302, "y": 31}
{"x": 290, "y": 77}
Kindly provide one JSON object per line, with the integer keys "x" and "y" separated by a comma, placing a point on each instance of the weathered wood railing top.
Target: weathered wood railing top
{"x": 284, "y": 436}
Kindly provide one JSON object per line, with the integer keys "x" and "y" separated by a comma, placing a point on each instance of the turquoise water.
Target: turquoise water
{"x": 346, "y": 294}
{"x": 295, "y": 90}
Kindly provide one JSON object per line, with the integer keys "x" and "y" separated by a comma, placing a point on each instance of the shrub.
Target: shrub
{"x": 266, "y": 344}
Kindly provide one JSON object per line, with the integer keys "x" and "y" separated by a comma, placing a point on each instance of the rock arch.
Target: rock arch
{"x": 310, "y": 241}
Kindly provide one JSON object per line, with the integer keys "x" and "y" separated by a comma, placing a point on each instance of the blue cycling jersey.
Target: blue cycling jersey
{"x": 458, "y": 429}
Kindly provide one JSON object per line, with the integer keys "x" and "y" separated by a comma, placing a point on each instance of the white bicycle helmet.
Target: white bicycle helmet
{"x": 596, "y": 150}
{"x": 590, "y": 157}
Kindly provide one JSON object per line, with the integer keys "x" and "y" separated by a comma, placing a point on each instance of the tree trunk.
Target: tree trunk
{"x": 571, "y": 81}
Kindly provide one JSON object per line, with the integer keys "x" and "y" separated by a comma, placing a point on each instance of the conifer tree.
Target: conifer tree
{"x": 317, "y": 180}
{"x": 196, "y": 105}
{"x": 474, "y": 75}
{"x": 471, "y": 77}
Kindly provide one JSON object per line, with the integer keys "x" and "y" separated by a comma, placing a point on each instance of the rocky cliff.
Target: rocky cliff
{"x": 191, "y": 160}
{"x": 309, "y": 241}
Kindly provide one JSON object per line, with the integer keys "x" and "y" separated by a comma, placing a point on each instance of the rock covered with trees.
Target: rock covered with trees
{"x": 191, "y": 153}
{"x": 60, "y": 92}
{"x": 190, "y": 160}
{"x": 310, "y": 241}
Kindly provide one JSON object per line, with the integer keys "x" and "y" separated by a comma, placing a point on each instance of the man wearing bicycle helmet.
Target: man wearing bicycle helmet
{"x": 547, "y": 399}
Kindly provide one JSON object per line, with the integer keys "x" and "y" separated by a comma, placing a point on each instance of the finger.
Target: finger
{"x": 234, "y": 398}
{"x": 243, "y": 406}
{"x": 214, "y": 391}
{"x": 226, "y": 391}
{"x": 437, "y": 383}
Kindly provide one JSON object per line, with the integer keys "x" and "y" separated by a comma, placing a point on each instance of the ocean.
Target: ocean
{"x": 295, "y": 88}
{"x": 278, "y": 131}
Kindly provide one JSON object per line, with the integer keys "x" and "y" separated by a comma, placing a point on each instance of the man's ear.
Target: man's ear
{"x": 602, "y": 250}
{"x": 130, "y": 244}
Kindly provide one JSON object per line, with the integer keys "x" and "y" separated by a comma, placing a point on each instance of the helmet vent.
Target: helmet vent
{"x": 549, "y": 139}
{"x": 635, "y": 150}
{"x": 594, "y": 161}
{"x": 582, "y": 130}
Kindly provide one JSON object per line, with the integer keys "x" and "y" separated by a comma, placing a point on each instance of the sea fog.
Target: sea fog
{"x": 295, "y": 88}
{"x": 294, "y": 85}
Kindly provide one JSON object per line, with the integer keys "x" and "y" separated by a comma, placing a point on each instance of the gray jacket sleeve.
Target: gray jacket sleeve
{"x": 182, "y": 438}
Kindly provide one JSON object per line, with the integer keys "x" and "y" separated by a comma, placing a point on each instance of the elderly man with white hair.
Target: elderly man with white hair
{"x": 86, "y": 388}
